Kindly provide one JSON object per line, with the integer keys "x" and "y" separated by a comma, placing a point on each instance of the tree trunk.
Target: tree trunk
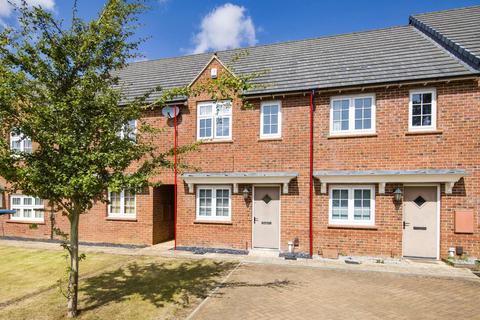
{"x": 73, "y": 277}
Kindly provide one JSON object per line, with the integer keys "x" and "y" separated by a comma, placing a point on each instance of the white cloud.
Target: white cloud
{"x": 226, "y": 27}
{"x": 6, "y": 9}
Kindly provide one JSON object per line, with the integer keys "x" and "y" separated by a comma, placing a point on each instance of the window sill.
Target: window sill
{"x": 212, "y": 222}
{"x": 214, "y": 141}
{"x": 426, "y": 132}
{"x": 26, "y": 222}
{"x": 132, "y": 219}
{"x": 335, "y": 226}
{"x": 352, "y": 135}
{"x": 270, "y": 139}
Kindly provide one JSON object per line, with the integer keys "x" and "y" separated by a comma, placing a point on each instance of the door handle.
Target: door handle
{"x": 255, "y": 219}
{"x": 405, "y": 224}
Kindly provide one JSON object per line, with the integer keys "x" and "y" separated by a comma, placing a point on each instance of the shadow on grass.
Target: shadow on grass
{"x": 160, "y": 283}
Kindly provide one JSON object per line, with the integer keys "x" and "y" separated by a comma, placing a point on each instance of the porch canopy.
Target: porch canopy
{"x": 382, "y": 177}
{"x": 237, "y": 178}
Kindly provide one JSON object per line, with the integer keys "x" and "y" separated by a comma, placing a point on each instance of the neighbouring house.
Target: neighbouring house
{"x": 365, "y": 143}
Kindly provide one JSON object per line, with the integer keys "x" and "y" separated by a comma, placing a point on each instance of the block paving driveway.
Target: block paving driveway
{"x": 283, "y": 292}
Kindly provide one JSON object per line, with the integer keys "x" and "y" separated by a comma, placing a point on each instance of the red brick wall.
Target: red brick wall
{"x": 455, "y": 146}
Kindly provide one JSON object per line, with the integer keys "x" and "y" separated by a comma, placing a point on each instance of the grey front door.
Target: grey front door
{"x": 266, "y": 217}
{"x": 420, "y": 222}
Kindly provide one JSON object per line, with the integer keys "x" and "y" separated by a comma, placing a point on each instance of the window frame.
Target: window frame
{"x": 213, "y": 117}
{"x": 350, "y": 221}
{"x": 279, "y": 124}
{"x": 20, "y": 138}
{"x": 213, "y": 217}
{"x": 351, "y": 115}
{"x": 22, "y": 207}
{"x": 433, "y": 126}
{"x": 122, "y": 213}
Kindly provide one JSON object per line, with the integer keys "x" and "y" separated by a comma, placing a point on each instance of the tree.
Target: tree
{"x": 58, "y": 87}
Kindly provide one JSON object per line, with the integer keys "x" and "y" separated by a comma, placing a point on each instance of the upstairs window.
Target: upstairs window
{"x": 271, "y": 120}
{"x": 352, "y": 115}
{"x": 20, "y": 143}
{"x": 129, "y": 131}
{"x": 122, "y": 204}
{"x": 352, "y": 205}
{"x": 214, "y": 120}
{"x": 422, "y": 110}
{"x": 26, "y": 208}
{"x": 214, "y": 203}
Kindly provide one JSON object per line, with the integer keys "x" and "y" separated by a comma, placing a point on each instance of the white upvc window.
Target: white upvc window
{"x": 122, "y": 204}
{"x": 352, "y": 115}
{"x": 214, "y": 203}
{"x": 352, "y": 205}
{"x": 26, "y": 208}
{"x": 129, "y": 131}
{"x": 271, "y": 119}
{"x": 422, "y": 110}
{"x": 214, "y": 120}
{"x": 20, "y": 143}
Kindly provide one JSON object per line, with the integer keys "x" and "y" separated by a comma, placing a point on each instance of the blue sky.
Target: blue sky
{"x": 179, "y": 27}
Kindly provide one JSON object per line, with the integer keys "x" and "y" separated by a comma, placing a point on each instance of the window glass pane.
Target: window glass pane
{"x": 38, "y": 202}
{"x": 27, "y": 213}
{"x": 224, "y": 108}
{"x": 270, "y": 119}
{"x": 416, "y": 110}
{"x": 363, "y": 107}
{"x": 27, "y": 145}
{"x": 38, "y": 214}
{"x": 114, "y": 202}
{"x": 129, "y": 198}
{"x": 339, "y": 204}
{"x": 223, "y": 127}
{"x": 427, "y": 98}
{"x": 205, "y": 128}
{"x": 416, "y": 98}
{"x": 362, "y": 204}
{"x": 340, "y": 115}
{"x": 16, "y": 201}
{"x": 27, "y": 201}
{"x": 205, "y": 110}
{"x": 416, "y": 121}
{"x": 16, "y": 145}
{"x": 427, "y": 109}
{"x": 426, "y": 120}
{"x": 205, "y": 202}
{"x": 130, "y": 130}
{"x": 222, "y": 202}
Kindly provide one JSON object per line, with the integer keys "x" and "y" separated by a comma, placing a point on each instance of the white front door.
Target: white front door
{"x": 420, "y": 238}
{"x": 266, "y": 217}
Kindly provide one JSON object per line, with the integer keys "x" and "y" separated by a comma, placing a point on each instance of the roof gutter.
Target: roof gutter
{"x": 399, "y": 84}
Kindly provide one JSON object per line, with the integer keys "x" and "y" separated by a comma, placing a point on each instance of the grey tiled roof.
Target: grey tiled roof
{"x": 361, "y": 58}
{"x": 451, "y": 28}
{"x": 386, "y": 172}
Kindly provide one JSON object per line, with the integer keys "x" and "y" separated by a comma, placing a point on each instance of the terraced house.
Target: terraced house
{"x": 362, "y": 144}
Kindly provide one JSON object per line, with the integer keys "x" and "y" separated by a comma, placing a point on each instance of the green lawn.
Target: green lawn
{"x": 113, "y": 286}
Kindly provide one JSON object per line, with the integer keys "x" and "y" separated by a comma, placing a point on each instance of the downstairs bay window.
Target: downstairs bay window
{"x": 122, "y": 204}
{"x": 352, "y": 205}
{"x": 26, "y": 208}
{"x": 214, "y": 203}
